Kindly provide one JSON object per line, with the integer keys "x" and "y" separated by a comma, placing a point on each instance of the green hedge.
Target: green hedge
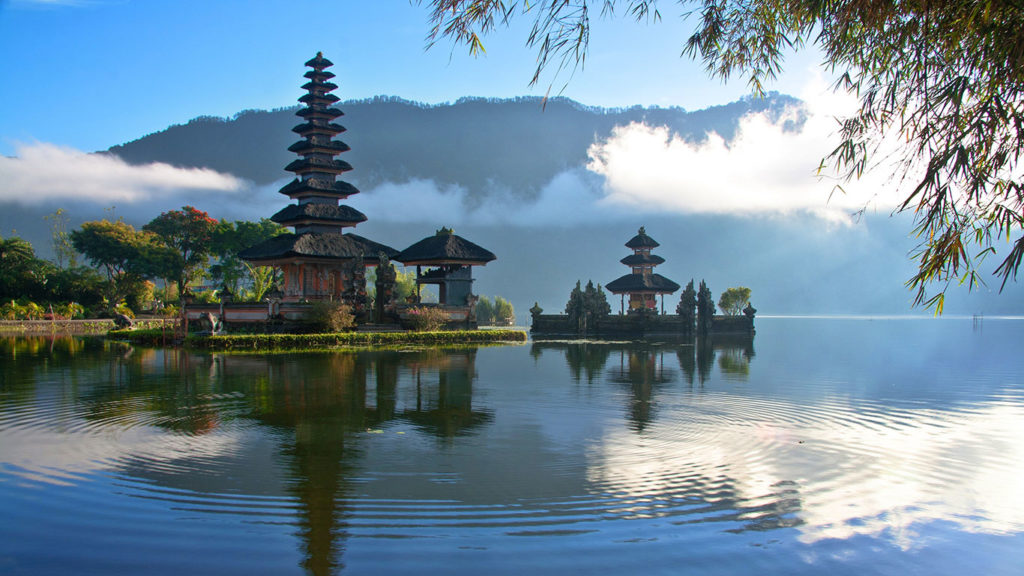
{"x": 334, "y": 340}
{"x": 76, "y": 327}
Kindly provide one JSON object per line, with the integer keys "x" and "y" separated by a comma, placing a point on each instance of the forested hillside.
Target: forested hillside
{"x": 486, "y": 146}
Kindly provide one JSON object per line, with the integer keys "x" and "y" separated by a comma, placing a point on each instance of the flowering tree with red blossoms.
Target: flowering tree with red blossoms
{"x": 188, "y": 233}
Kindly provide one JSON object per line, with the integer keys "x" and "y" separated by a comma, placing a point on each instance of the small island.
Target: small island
{"x": 588, "y": 314}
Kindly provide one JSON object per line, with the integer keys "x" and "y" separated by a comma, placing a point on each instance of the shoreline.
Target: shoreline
{"x": 273, "y": 342}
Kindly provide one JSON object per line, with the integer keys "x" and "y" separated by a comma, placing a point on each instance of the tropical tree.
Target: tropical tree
{"x": 405, "y": 285}
{"x": 944, "y": 78}
{"x": 705, "y": 308}
{"x": 575, "y": 308}
{"x": 263, "y": 279}
{"x": 504, "y": 313}
{"x": 595, "y": 301}
{"x": 127, "y": 256}
{"x": 586, "y": 306}
{"x": 733, "y": 300}
{"x": 230, "y": 238}
{"x": 484, "y": 311}
{"x": 63, "y": 252}
{"x": 22, "y": 275}
{"x": 688, "y": 304}
{"x": 79, "y": 284}
{"x": 188, "y": 234}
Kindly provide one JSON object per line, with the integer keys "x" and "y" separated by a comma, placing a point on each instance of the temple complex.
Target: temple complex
{"x": 642, "y": 285}
{"x": 588, "y": 315}
{"x": 319, "y": 260}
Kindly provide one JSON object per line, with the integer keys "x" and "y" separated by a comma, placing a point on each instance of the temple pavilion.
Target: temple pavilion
{"x": 448, "y": 259}
{"x": 642, "y": 285}
{"x": 319, "y": 260}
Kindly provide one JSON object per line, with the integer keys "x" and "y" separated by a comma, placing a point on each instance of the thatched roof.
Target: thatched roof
{"x": 321, "y": 212}
{"x": 325, "y": 245}
{"x": 318, "y": 165}
{"x": 319, "y": 75}
{"x": 635, "y": 283}
{"x": 321, "y": 99}
{"x": 641, "y": 259}
{"x": 319, "y": 62}
{"x": 444, "y": 248}
{"x": 318, "y": 187}
{"x": 319, "y": 113}
{"x": 311, "y": 128}
{"x": 315, "y": 83}
{"x": 308, "y": 147}
{"x": 642, "y": 240}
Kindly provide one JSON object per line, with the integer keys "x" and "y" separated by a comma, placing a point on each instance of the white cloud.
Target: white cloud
{"x": 46, "y": 172}
{"x": 765, "y": 169}
{"x": 570, "y": 198}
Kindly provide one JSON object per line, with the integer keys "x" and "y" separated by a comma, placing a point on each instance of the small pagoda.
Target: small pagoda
{"x": 449, "y": 259}
{"x": 642, "y": 286}
{"x": 319, "y": 260}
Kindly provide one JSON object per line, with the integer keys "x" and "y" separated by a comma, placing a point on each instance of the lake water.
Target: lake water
{"x": 824, "y": 446}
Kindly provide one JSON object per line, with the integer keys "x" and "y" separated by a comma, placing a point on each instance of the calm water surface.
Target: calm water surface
{"x": 821, "y": 447}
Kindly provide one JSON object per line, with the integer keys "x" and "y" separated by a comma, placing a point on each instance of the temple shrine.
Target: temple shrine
{"x": 642, "y": 285}
{"x": 319, "y": 260}
{"x": 448, "y": 259}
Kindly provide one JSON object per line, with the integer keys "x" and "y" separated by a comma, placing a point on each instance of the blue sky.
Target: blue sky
{"x": 90, "y": 74}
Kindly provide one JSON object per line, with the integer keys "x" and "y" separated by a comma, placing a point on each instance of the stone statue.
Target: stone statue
{"x": 123, "y": 322}
{"x": 749, "y": 311}
{"x": 385, "y": 285}
{"x": 355, "y": 291}
{"x": 216, "y": 327}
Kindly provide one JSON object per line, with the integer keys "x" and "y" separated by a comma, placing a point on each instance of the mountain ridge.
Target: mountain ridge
{"x": 486, "y": 146}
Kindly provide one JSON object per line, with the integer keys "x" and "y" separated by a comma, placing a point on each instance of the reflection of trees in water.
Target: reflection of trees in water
{"x": 586, "y": 360}
{"x": 25, "y": 360}
{"x": 734, "y": 355}
{"x": 705, "y": 358}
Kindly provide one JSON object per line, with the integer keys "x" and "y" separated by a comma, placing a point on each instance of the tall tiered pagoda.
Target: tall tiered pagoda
{"x": 319, "y": 260}
{"x": 642, "y": 285}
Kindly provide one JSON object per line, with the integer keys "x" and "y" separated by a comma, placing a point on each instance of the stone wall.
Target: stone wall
{"x": 636, "y": 326}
